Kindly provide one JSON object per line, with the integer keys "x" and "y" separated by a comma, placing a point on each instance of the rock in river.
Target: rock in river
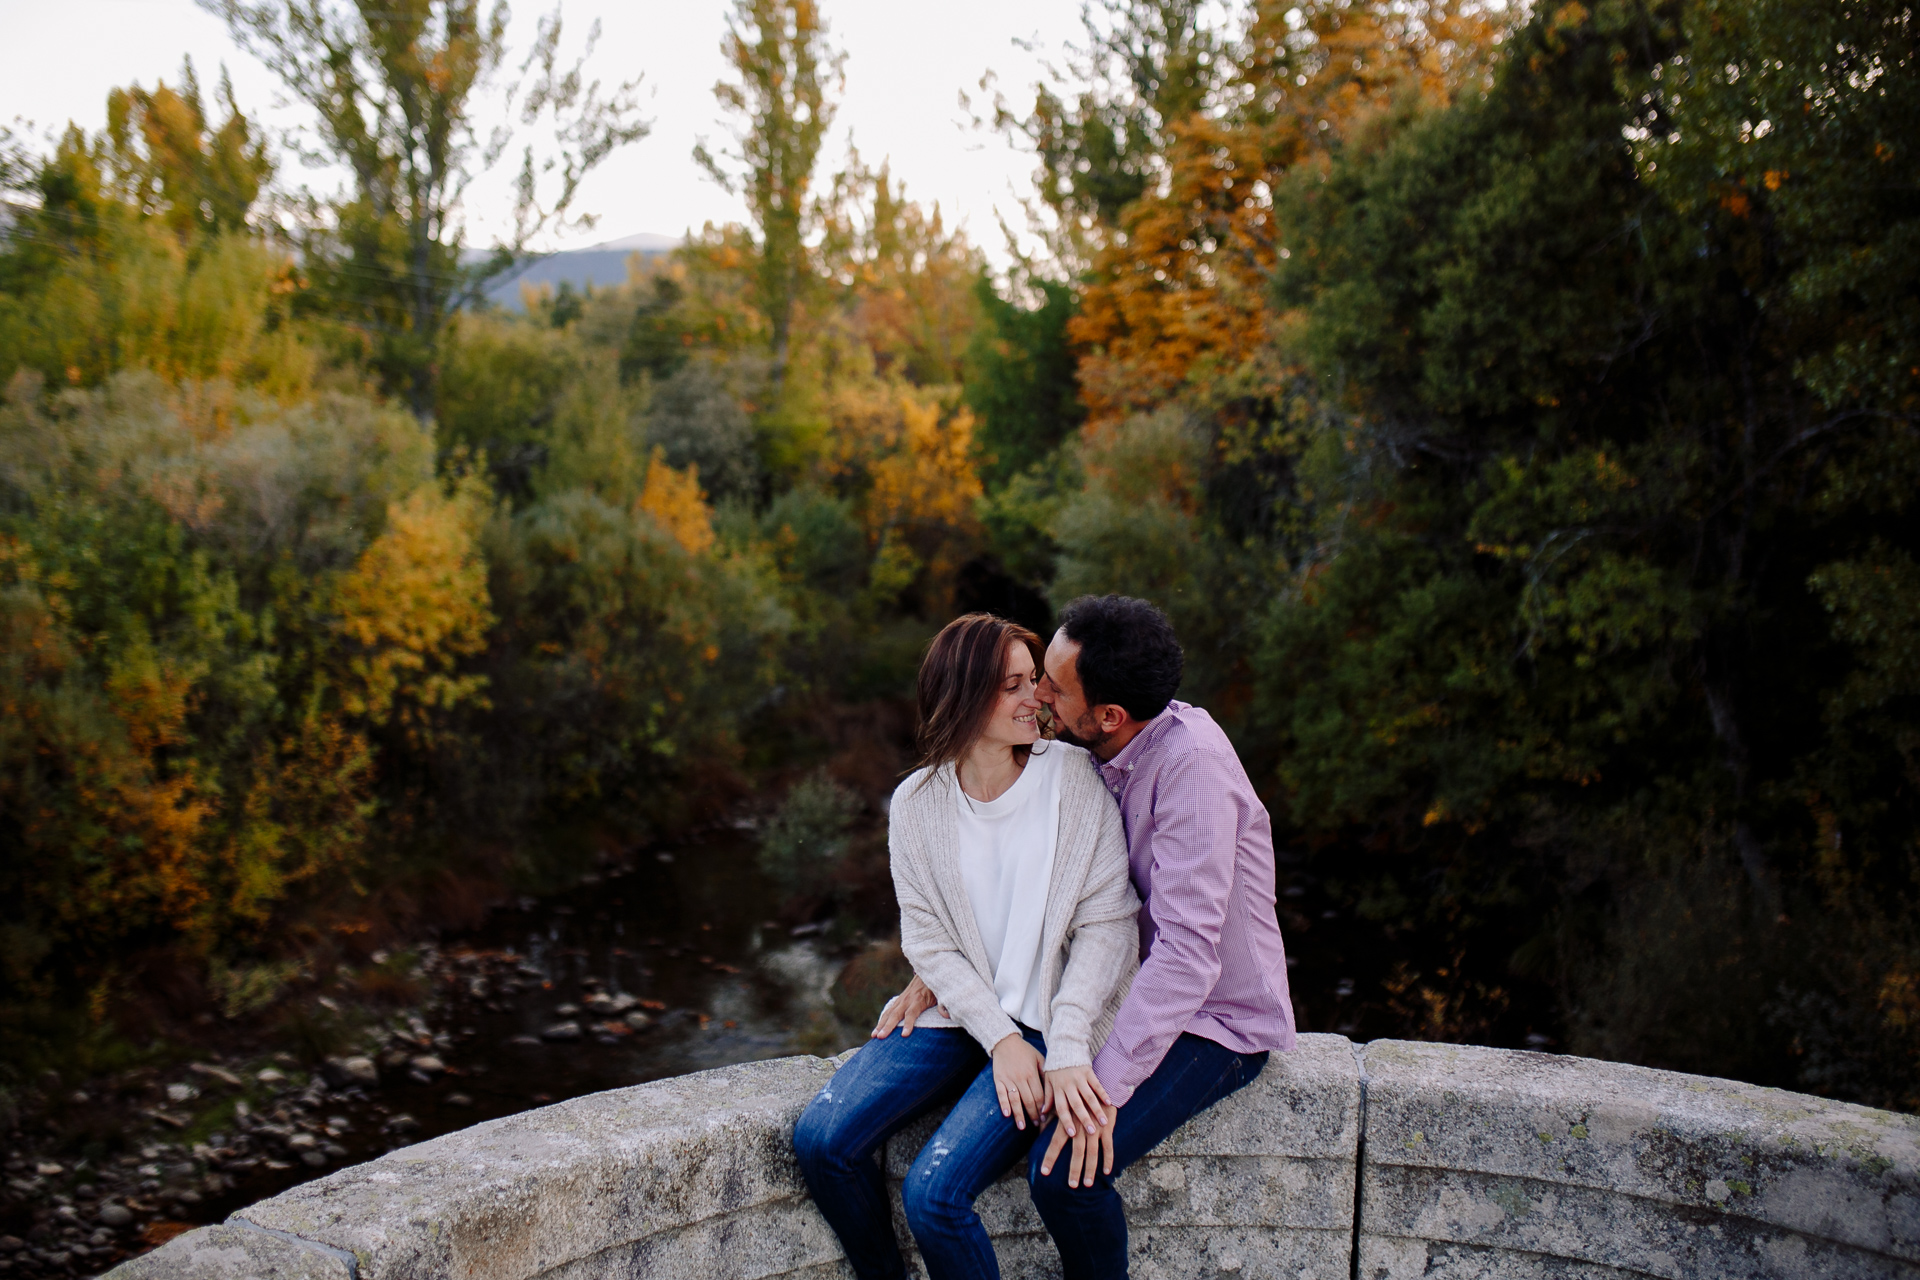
{"x": 562, "y": 1031}
{"x": 115, "y": 1215}
{"x": 354, "y": 1070}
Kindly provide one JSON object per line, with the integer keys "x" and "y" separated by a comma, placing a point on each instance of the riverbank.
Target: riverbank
{"x": 671, "y": 963}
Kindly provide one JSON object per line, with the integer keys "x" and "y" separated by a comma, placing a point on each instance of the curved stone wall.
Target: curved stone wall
{"x": 1487, "y": 1162}
{"x": 1428, "y": 1160}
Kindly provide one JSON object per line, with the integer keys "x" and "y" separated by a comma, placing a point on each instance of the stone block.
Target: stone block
{"x": 781, "y": 1238}
{"x": 1267, "y": 1175}
{"x": 1483, "y": 1162}
{"x": 534, "y": 1193}
{"x": 232, "y": 1252}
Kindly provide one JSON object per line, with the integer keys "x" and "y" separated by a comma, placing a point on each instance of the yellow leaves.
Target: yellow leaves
{"x": 1774, "y": 178}
{"x": 1569, "y": 16}
{"x": 1611, "y": 475}
{"x": 143, "y": 302}
{"x": 1899, "y": 998}
{"x": 1440, "y": 812}
{"x": 911, "y": 453}
{"x": 677, "y": 503}
{"x": 150, "y": 695}
{"x": 926, "y": 475}
{"x": 414, "y": 605}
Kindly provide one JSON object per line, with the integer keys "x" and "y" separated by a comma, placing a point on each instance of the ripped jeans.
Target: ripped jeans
{"x": 878, "y": 1092}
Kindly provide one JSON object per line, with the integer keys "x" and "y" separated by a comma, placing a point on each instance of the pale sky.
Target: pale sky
{"x": 907, "y": 62}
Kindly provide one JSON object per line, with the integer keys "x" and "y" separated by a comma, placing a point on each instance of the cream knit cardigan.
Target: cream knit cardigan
{"x": 1090, "y": 941}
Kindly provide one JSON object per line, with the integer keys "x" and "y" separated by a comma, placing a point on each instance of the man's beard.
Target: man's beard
{"x": 1085, "y": 734}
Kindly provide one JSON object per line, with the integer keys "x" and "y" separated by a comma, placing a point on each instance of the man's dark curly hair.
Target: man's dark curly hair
{"x": 1128, "y": 655}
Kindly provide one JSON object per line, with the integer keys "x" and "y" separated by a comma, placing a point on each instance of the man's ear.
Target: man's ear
{"x": 1109, "y": 717}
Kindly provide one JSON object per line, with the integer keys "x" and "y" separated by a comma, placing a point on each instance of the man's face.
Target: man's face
{"x": 1060, "y": 690}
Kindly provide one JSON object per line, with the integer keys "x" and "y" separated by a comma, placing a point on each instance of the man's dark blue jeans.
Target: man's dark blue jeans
{"x": 890, "y": 1082}
{"x": 1088, "y": 1224}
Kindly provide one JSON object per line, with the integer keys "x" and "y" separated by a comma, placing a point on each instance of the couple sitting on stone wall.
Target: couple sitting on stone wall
{"x": 1067, "y": 1019}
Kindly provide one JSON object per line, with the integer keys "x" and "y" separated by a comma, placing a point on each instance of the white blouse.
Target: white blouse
{"x": 1006, "y": 862}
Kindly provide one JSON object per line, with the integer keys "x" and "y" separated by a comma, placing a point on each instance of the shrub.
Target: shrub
{"x": 804, "y": 845}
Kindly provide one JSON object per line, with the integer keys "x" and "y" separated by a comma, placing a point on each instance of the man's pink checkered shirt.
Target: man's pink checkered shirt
{"x": 1211, "y": 959}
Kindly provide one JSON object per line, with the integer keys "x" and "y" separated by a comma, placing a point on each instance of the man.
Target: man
{"x": 1210, "y": 1000}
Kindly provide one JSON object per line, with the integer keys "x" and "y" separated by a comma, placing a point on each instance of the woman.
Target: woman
{"x": 1010, "y": 865}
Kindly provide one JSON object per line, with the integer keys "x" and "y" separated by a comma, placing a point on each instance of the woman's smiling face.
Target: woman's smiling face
{"x": 1015, "y": 722}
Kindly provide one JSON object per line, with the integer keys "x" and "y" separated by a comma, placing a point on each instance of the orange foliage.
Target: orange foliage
{"x": 677, "y": 503}
{"x": 912, "y": 454}
{"x": 101, "y": 795}
{"x": 1178, "y": 296}
{"x": 918, "y": 456}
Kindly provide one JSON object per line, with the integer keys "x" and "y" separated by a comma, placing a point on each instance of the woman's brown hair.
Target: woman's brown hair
{"x": 960, "y": 683}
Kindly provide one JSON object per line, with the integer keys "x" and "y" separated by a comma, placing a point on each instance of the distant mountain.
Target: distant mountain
{"x": 598, "y": 265}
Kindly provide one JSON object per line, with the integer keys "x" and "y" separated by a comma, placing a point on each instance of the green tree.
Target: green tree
{"x": 132, "y": 249}
{"x": 391, "y": 84}
{"x": 1554, "y": 657}
{"x": 1020, "y": 378}
{"x": 786, "y": 71}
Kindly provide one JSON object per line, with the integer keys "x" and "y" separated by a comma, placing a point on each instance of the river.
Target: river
{"x": 671, "y": 963}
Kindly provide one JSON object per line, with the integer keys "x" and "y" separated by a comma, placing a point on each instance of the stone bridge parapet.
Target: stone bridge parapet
{"x": 1386, "y": 1161}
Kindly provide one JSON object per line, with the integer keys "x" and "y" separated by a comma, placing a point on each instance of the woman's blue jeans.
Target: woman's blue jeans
{"x": 878, "y": 1092}
{"x": 890, "y": 1082}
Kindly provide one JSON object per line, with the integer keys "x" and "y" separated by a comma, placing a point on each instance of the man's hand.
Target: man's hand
{"x": 1017, "y": 1079}
{"x": 905, "y": 1008}
{"x": 1077, "y": 1094}
{"x": 1092, "y": 1148}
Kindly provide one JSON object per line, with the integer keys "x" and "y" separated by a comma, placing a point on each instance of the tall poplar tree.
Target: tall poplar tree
{"x": 778, "y": 49}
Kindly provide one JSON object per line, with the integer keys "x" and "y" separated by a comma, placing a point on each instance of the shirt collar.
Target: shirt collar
{"x": 1129, "y": 755}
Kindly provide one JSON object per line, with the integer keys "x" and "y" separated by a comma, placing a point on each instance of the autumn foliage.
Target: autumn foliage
{"x": 1515, "y": 409}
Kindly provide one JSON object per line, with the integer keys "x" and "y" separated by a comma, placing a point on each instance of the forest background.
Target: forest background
{"x": 1515, "y": 411}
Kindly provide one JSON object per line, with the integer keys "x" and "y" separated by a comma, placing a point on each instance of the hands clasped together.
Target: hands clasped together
{"x": 1029, "y": 1092}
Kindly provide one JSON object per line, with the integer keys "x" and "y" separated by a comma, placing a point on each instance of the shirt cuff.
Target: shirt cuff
{"x": 1114, "y": 1073}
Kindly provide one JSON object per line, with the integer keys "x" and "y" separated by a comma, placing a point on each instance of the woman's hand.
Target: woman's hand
{"x": 1018, "y": 1081}
{"x": 1092, "y": 1149}
{"x": 905, "y": 1008}
{"x": 1077, "y": 1094}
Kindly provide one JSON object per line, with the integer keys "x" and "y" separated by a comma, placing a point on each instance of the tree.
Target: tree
{"x": 133, "y": 248}
{"x": 1166, "y": 165}
{"x": 902, "y": 277}
{"x": 391, "y": 83}
{"x": 1020, "y": 378}
{"x": 1594, "y": 651}
{"x": 167, "y": 161}
{"x": 1146, "y": 65}
{"x": 779, "y": 51}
